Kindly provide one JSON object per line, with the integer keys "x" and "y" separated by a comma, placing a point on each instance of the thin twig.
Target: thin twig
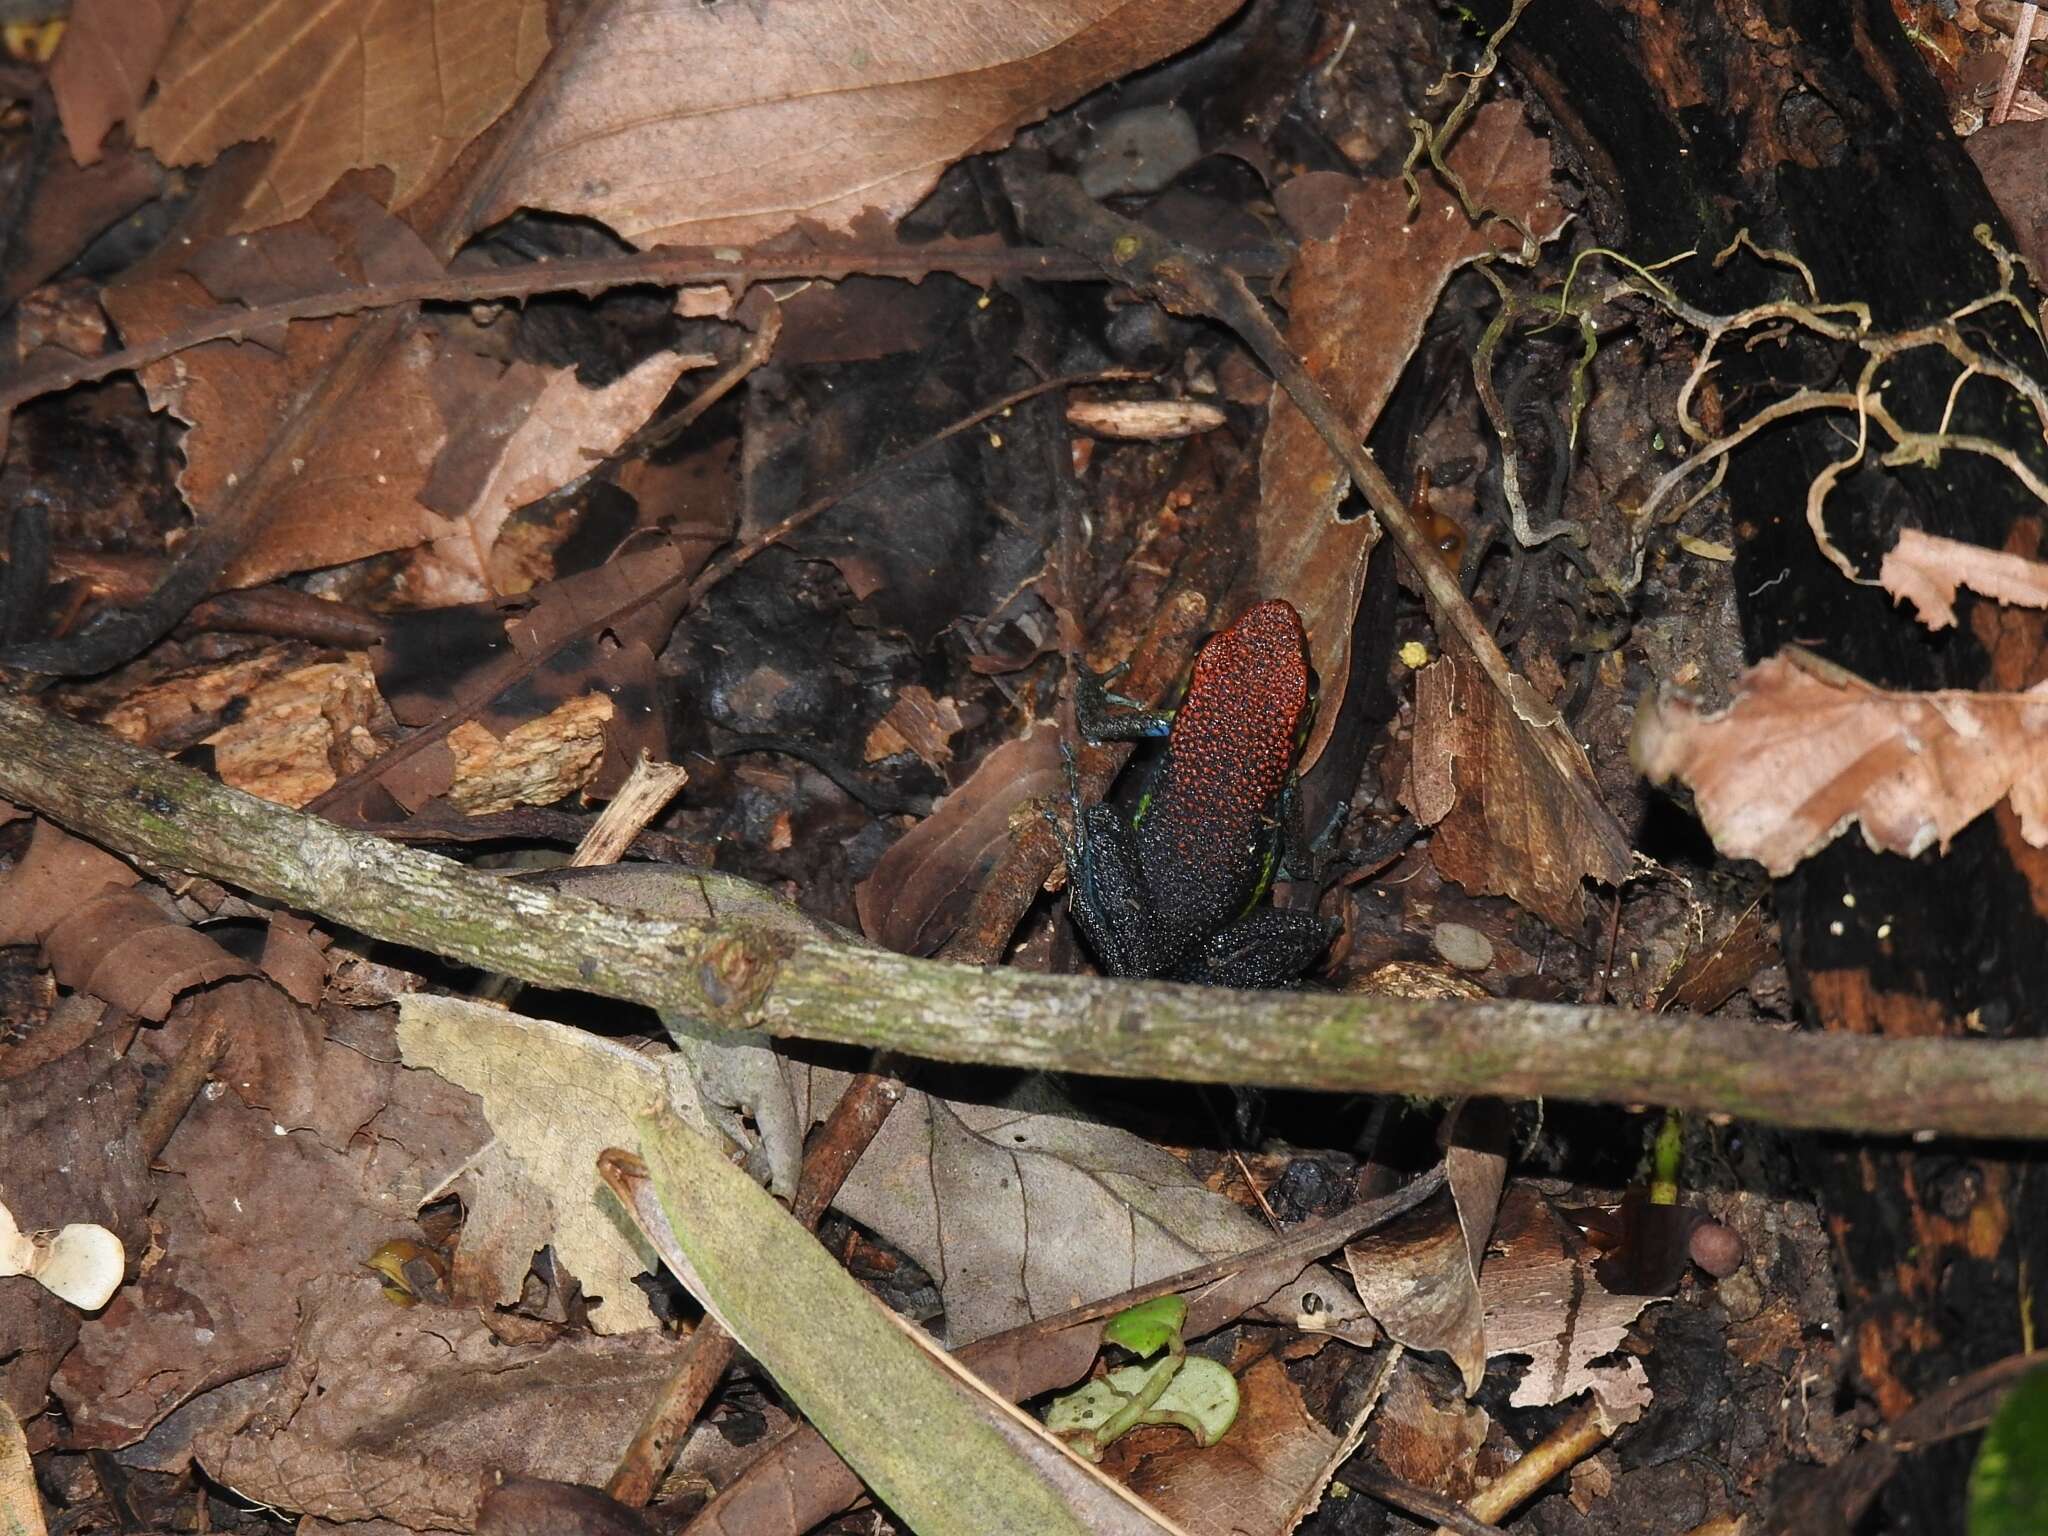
{"x": 1556, "y": 1453}
{"x": 750, "y": 973}
{"x": 2015, "y": 61}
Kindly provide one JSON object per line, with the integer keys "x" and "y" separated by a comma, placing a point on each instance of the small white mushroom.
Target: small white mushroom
{"x": 81, "y": 1263}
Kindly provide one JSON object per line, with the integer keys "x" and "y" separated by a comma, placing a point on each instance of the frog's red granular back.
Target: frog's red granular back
{"x": 1234, "y": 739}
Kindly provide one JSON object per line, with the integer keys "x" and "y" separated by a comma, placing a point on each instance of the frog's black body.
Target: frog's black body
{"x": 1178, "y": 890}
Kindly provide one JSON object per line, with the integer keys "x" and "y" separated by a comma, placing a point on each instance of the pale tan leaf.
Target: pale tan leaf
{"x": 555, "y": 1097}
{"x": 1806, "y": 750}
{"x": 339, "y": 85}
{"x": 1926, "y": 569}
{"x": 689, "y": 123}
{"x": 559, "y": 431}
{"x": 104, "y": 65}
{"x": 1543, "y": 1300}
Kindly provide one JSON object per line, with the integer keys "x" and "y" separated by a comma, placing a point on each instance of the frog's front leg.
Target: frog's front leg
{"x": 1303, "y": 857}
{"x": 1267, "y": 947}
{"x": 1105, "y": 716}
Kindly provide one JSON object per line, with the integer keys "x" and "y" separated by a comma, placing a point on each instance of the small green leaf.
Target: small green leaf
{"x": 2009, "y": 1484}
{"x": 1202, "y": 1399}
{"x": 1148, "y": 1327}
{"x": 1199, "y": 1395}
{"x": 1085, "y": 1410}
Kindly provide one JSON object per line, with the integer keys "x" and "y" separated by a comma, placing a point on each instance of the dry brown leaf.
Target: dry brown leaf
{"x": 1806, "y": 749}
{"x": 1514, "y": 809}
{"x": 104, "y": 65}
{"x": 1543, "y": 1301}
{"x": 1358, "y": 302}
{"x": 336, "y": 86}
{"x": 917, "y": 892}
{"x": 73, "y": 1154}
{"x": 792, "y": 112}
{"x": 1419, "y": 1274}
{"x": 556, "y": 432}
{"x": 444, "y": 444}
{"x": 1427, "y": 1432}
{"x": 409, "y": 1414}
{"x": 70, "y": 207}
{"x": 246, "y": 1215}
{"x": 361, "y": 502}
{"x": 1925, "y": 569}
{"x": 57, "y": 875}
{"x": 1417, "y": 1280}
{"x": 1250, "y": 1479}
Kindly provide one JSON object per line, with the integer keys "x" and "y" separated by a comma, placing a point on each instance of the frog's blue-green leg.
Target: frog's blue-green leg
{"x": 1302, "y": 857}
{"x": 1106, "y": 716}
{"x": 1313, "y": 860}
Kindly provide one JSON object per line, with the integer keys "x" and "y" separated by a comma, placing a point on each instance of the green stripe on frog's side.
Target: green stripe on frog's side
{"x": 1178, "y": 890}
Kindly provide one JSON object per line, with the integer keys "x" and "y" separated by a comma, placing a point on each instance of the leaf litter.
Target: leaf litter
{"x": 507, "y": 503}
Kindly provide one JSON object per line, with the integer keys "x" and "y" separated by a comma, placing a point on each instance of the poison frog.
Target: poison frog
{"x": 1177, "y": 890}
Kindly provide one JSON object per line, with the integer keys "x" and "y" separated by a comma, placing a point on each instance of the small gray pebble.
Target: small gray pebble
{"x": 1141, "y": 150}
{"x": 1466, "y": 948}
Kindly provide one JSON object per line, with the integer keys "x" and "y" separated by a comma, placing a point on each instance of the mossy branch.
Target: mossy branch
{"x": 747, "y": 971}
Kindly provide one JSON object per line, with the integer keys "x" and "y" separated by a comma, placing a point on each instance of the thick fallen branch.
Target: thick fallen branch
{"x": 749, "y": 972}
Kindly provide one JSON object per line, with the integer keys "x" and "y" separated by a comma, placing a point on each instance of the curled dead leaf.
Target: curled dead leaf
{"x": 1926, "y": 569}
{"x": 1806, "y": 750}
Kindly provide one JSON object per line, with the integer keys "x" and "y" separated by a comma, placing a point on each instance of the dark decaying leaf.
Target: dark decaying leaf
{"x": 922, "y": 884}
{"x": 1362, "y": 289}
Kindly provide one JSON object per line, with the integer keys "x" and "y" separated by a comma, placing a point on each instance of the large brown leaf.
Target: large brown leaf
{"x": 699, "y": 124}
{"x": 339, "y": 85}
